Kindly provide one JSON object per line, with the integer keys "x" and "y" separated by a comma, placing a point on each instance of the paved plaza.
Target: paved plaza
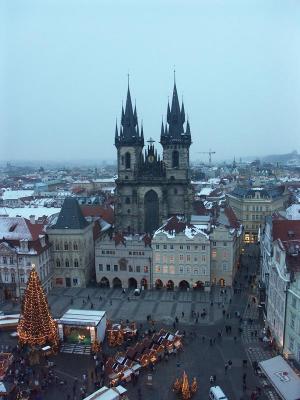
{"x": 205, "y": 353}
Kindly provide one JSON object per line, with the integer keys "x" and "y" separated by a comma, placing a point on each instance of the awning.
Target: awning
{"x": 283, "y": 378}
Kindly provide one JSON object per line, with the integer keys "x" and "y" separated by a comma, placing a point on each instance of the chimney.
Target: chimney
{"x": 32, "y": 219}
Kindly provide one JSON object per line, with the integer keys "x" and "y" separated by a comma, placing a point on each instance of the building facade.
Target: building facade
{"x": 149, "y": 190}
{"x": 123, "y": 260}
{"x": 72, "y": 243}
{"x": 181, "y": 256}
{"x": 24, "y": 244}
{"x": 251, "y": 205}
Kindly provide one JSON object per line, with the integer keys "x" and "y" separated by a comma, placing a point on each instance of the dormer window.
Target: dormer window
{"x": 127, "y": 160}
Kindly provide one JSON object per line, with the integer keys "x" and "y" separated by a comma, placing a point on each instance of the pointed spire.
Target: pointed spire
{"x": 142, "y": 131}
{"x": 168, "y": 113}
{"x": 162, "y": 131}
{"x": 182, "y": 113}
{"x": 116, "y": 131}
{"x": 188, "y": 129}
{"x": 122, "y": 116}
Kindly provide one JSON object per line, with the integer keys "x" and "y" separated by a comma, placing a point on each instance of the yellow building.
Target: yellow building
{"x": 252, "y": 204}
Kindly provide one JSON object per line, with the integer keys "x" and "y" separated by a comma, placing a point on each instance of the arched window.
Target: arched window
{"x": 76, "y": 263}
{"x": 175, "y": 159}
{"x": 58, "y": 263}
{"x": 67, "y": 263}
{"x": 66, "y": 246}
{"x": 75, "y": 246}
{"x": 127, "y": 161}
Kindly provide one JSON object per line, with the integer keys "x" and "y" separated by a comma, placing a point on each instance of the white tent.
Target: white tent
{"x": 283, "y": 378}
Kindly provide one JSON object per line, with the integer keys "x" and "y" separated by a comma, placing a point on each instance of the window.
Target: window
{"x": 203, "y": 247}
{"x": 203, "y": 258}
{"x": 292, "y": 342}
{"x": 181, "y": 270}
{"x": 171, "y": 247}
{"x": 204, "y": 271}
{"x": 224, "y": 244}
{"x": 214, "y": 244}
{"x": 116, "y": 268}
{"x": 127, "y": 200}
{"x": 127, "y": 161}
{"x": 175, "y": 159}
{"x": 22, "y": 279}
{"x": 157, "y": 257}
{"x": 56, "y": 246}
{"x": 66, "y": 247}
{"x": 188, "y": 258}
{"x": 157, "y": 269}
{"x": 75, "y": 246}
{"x": 165, "y": 246}
{"x": 58, "y": 263}
{"x": 165, "y": 269}
{"x": 6, "y": 277}
{"x": 225, "y": 267}
{"x": 292, "y": 321}
{"x": 4, "y": 260}
{"x": 146, "y": 269}
{"x": 123, "y": 266}
{"x": 67, "y": 264}
{"x": 195, "y": 258}
{"x": 11, "y": 260}
{"x": 76, "y": 264}
{"x": 171, "y": 269}
{"x": 13, "y": 278}
{"x": 100, "y": 266}
{"x": 181, "y": 247}
{"x": 188, "y": 247}
{"x": 130, "y": 268}
{"x": 157, "y": 246}
{"x": 196, "y": 271}
{"x": 171, "y": 259}
{"x": 75, "y": 281}
{"x": 181, "y": 257}
{"x": 107, "y": 267}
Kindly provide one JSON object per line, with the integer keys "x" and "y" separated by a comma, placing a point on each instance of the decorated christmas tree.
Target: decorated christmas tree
{"x": 36, "y": 326}
{"x": 185, "y": 388}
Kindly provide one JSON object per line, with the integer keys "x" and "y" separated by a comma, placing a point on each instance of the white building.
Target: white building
{"x": 23, "y": 243}
{"x": 181, "y": 256}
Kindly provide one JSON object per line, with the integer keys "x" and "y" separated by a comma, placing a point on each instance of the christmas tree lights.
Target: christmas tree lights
{"x": 36, "y": 326}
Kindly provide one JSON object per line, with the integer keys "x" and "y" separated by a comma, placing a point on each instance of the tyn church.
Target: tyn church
{"x": 150, "y": 190}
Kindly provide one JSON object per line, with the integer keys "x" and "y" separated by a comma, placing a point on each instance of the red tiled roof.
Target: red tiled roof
{"x": 175, "y": 224}
{"x": 199, "y": 208}
{"x": 106, "y": 213}
{"x": 234, "y": 223}
{"x": 35, "y": 229}
{"x": 286, "y": 229}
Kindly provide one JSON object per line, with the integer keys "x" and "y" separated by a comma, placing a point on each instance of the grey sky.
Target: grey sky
{"x": 64, "y": 64}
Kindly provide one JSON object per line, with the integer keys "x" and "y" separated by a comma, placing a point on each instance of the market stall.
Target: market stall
{"x": 82, "y": 326}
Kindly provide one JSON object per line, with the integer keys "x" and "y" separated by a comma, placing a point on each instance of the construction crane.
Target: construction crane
{"x": 210, "y": 152}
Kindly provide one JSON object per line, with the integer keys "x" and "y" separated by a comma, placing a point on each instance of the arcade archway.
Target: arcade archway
{"x": 184, "y": 285}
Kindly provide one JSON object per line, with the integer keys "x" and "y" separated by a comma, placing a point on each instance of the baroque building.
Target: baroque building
{"x": 149, "y": 189}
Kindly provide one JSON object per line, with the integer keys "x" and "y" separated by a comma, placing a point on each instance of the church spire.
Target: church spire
{"x": 129, "y": 129}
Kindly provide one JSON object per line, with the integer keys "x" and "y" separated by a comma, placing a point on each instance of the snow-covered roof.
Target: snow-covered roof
{"x": 82, "y": 317}
{"x": 16, "y": 194}
{"x": 206, "y": 191}
{"x": 293, "y": 212}
{"x": 19, "y": 228}
{"x": 26, "y": 212}
{"x": 175, "y": 226}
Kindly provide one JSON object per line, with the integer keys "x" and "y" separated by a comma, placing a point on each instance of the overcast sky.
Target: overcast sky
{"x": 64, "y": 65}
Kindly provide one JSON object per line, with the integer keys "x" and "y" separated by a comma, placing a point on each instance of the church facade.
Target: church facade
{"x": 150, "y": 189}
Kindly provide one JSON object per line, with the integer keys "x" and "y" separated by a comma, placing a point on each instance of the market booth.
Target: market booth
{"x": 105, "y": 393}
{"x": 82, "y": 326}
{"x": 283, "y": 378}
